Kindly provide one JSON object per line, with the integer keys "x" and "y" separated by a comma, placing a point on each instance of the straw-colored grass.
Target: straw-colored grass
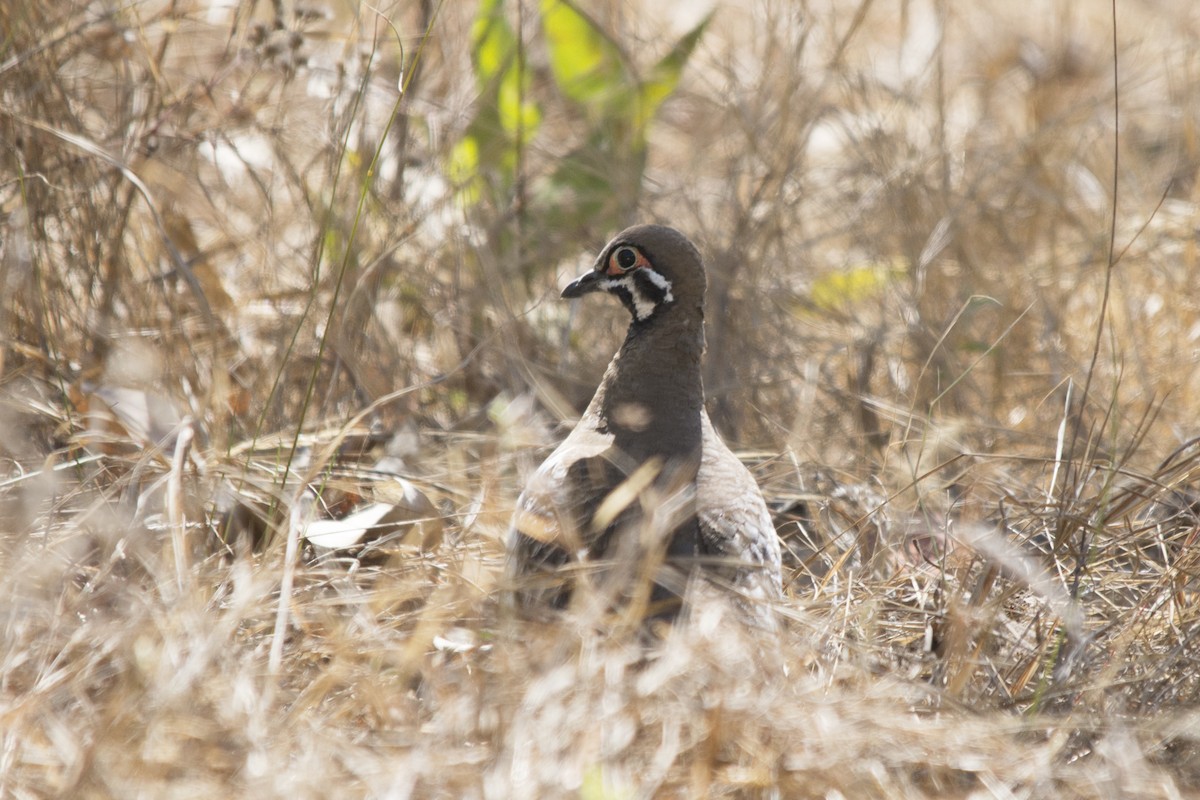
{"x": 953, "y": 325}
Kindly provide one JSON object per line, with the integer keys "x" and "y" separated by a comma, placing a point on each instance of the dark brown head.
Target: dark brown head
{"x": 651, "y": 268}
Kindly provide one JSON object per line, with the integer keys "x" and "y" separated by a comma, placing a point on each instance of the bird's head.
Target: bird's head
{"x": 651, "y": 268}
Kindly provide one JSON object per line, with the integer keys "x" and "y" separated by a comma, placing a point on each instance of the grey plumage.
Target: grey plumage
{"x": 643, "y": 485}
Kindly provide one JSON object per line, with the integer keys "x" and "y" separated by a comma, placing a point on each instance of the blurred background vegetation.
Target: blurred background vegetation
{"x": 952, "y": 270}
{"x": 905, "y": 212}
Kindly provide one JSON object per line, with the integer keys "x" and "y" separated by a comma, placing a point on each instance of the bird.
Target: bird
{"x": 643, "y": 496}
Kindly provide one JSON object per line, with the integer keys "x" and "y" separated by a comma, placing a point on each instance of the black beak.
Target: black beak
{"x": 587, "y": 282}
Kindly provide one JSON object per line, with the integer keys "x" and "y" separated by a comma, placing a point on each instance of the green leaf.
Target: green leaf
{"x": 838, "y": 291}
{"x": 519, "y": 116}
{"x": 664, "y": 77}
{"x": 462, "y": 168}
{"x": 493, "y": 42}
{"x": 506, "y": 115}
{"x": 587, "y": 65}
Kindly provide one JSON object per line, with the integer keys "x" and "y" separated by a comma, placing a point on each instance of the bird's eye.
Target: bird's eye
{"x": 626, "y": 257}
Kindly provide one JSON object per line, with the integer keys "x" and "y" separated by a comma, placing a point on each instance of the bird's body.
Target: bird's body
{"x": 643, "y": 485}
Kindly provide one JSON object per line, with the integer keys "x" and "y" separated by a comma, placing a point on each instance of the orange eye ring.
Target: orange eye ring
{"x": 624, "y": 259}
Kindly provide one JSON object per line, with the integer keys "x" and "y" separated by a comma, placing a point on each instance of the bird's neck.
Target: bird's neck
{"x": 652, "y": 395}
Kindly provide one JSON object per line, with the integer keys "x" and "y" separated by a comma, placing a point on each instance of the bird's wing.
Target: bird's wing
{"x": 735, "y": 524}
{"x": 548, "y": 510}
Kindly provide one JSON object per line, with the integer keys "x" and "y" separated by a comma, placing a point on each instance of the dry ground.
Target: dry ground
{"x": 954, "y": 326}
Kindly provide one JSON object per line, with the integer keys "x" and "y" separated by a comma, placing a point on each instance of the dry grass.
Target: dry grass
{"x": 233, "y": 267}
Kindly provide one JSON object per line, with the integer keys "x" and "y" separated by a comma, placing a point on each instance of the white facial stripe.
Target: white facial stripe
{"x": 660, "y": 282}
{"x": 642, "y": 308}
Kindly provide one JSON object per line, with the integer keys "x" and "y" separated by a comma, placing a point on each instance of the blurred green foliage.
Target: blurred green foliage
{"x": 839, "y": 290}
{"x": 505, "y": 116}
{"x": 596, "y": 184}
